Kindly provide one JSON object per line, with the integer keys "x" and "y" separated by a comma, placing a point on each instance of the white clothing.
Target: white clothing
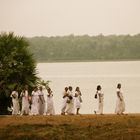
{"x": 50, "y": 105}
{"x": 15, "y": 102}
{"x": 25, "y": 102}
{"x": 41, "y": 102}
{"x": 70, "y": 106}
{"x": 77, "y": 100}
{"x": 35, "y": 103}
{"x": 120, "y": 105}
{"x": 45, "y": 99}
{"x": 64, "y": 103}
{"x": 100, "y": 101}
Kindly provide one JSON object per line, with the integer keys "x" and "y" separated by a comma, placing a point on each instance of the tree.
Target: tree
{"x": 17, "y": 67}
{"x": 92, "y": 48}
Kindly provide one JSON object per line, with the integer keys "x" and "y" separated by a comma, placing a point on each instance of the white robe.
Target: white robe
{"x": 77, "y": 100}
{"x": 50, "y": 105}
{"x": 64, "y": 103}
{"x": 35, "y": 103}
{"x": 100, "y": 102}
{"x": 15, "y": 102}
{"x": 70, "y": 106}
{"x": 25, "y": 102}
{"x": 45, "y": 98}
{"x": 41, "y": 102}
{"x": 120, "y": 105}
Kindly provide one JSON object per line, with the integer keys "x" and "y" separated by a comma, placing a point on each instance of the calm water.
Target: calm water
{"x": 87, "y": 75}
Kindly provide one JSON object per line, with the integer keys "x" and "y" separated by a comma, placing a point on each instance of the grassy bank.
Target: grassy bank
{"x": 83, "y": 127}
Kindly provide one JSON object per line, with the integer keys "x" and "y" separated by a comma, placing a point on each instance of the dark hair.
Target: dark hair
{"x": 70, "y": 97}
{"x": 119, "y": 85}
{"x": 98, "y": 87}
{"x": 49, "y": 90}
{"x": 70, "y": 88}
{"x": 35, "y": 88}
{"x": 77, "y": 89}
{"x": 66, "y": 88}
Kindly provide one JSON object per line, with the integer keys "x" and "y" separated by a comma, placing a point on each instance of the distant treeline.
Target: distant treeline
{"x": 85, "y": 48}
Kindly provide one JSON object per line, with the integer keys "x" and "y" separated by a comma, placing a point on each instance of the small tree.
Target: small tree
{"x": 17, "y": 67}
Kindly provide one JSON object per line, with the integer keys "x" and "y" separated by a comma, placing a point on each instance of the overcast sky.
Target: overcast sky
{"x": 64, "y": 17}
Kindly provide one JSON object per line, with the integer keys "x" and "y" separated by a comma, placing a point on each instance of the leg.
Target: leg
{"x": 77, "y": 111}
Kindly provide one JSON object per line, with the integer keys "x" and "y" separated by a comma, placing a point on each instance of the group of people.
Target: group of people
{"x": 33, "y": 104}
{"x": 71, "y": 101}
{"x": 36, "y": 104}
{"x": 120, "y": 104}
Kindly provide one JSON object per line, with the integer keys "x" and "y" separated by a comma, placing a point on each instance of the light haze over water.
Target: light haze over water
{"x": 87, "y": 75}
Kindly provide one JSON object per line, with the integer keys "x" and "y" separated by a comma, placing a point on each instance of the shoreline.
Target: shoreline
{"x": 81, "y": 61}
{"x": 105, "y": 114}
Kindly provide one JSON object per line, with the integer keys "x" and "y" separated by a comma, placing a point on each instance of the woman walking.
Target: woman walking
{"x": 25, "y": 101}
{"x": 120, "y": 105}
{"x": 70, "y": 102}
{"x": 41, "y": 101}
{"x": 35, "y": 101}
{"x": 65, "y": 98}
{"x": 78, "y": 99}
{"x": 15, "y": 101}
{"x": 100, "y": 97}
{"x": 50, "y": 105}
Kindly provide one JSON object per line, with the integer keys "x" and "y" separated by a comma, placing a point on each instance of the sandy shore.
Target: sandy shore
{"x": 83, "y": 127}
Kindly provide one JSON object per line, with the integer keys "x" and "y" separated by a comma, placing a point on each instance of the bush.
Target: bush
{"x": 17, "y": 67}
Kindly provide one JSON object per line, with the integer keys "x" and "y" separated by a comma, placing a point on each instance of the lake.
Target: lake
{"x": 87, "y": 75}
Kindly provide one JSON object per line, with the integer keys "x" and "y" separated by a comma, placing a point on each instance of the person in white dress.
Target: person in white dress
{"x": 35, "y": 102}
{"x": 41, "y": 101}
{"x": 45, "y": 94}
{"x": 70, "y": 102}
{"x": 78, "y": 99}
{"x": 15, "y": 102}
{"x": 50, "y": 104}
{"x": 120, "y": 104}
{"x": 65, "y": 98}
{"x": 25, "y": 101}
{"x": 100, "y": 97}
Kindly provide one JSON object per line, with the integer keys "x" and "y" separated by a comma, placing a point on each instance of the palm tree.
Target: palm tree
{"x": 17, "y": 67}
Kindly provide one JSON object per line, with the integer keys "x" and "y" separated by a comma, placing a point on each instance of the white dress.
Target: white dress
{"x": 45, "y": 99}
{"x": 15, "y": 102}
{"x": 120, "y": 105}
{"x": 64, "y": 103}
{"x": 100, "y": 101}
{"x": 41, "y": 102}
{"x": 50, "y": 105}
{"x": 70, "y": 106}
{"x": 35, "y": 101}
{"x": 25, "y": 102}
{"x": 77, "y": 100}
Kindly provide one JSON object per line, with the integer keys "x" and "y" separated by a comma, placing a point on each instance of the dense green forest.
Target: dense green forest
{"x": 85, "y": 48}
